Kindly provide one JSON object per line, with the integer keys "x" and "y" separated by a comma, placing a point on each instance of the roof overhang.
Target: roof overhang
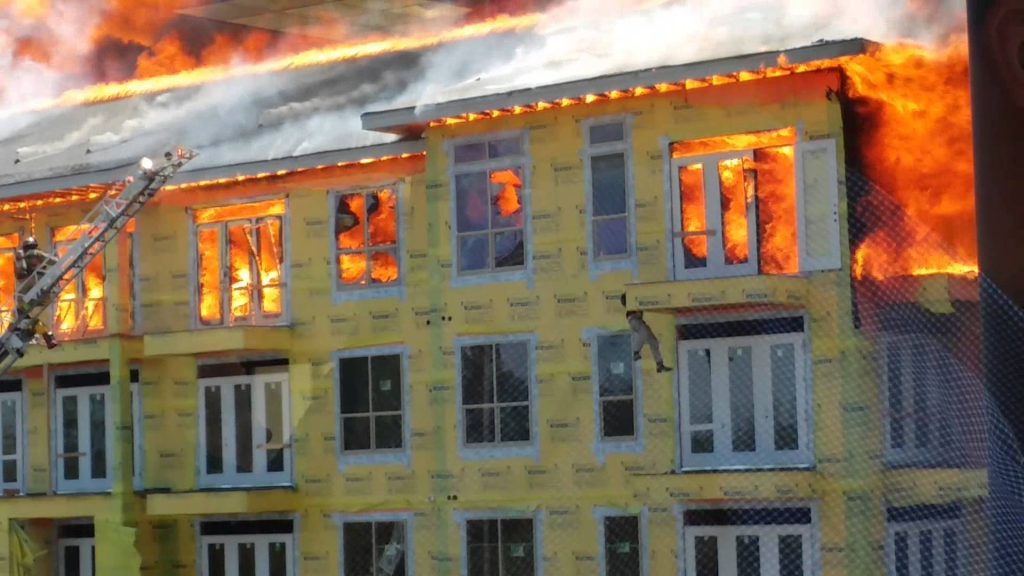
{"x": 400, "y": 120}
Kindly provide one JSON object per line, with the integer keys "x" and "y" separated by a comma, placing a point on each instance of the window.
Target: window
{"x": 366, "y": 229}
{"x": 915, "y": 368}
{"x": 372, "y": 396}
{"x": 80, "y": 308}
{"x": 924, "y": 541}
{"x": 9, "y": 243}
{"x": 76, "y": 550}
{"x": 609, "y": 194}
{"x": 11, "y": 469}
{"x": 490, "y": 204}
{"x": 500, "y": 547}
{"x": 375, "y": 546}
{"x": 240, "y": 263}
{"x": 84, "y": 432}
{"x": 750, "y": 541}
{"x": 250, "y": 548}
{"x": 496, "y": 400}
{"x": 138, "y": 451}
{"x": 618, "y": 403}
{"x": 619, "y": 536}
{"x": 759, "y": 203}
{"x": 745, "y": 394}
{"x": 134, "y": 305}
{"x": 244, "y": 430}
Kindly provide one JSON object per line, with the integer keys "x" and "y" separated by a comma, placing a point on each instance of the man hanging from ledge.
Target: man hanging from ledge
{"x": 643, "y": 336}
{"x": 26, "y": 261}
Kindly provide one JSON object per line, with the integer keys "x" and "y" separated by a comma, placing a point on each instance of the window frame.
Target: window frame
{"x": 925, "y": 521}
{"x": 235, "y": 480}
{"x": 801, "y": 459}
{"x": 138, "y": 435}
{"x": 201, "y": 558}
{"x": 286, "y": 255}
{"x": 407, "y": 518}
{"x": 601, "y": 513}
{"x": 524, "y": 162}
{"x": 81, "y": 301}
{"x": 497, "y": 450}
{"x": 373, "y": 457}
{"x": 341, "y": 295}
{"x": 603, "y": 447}
{"x": 464, "y": 516}
{"x": 21, "y": 438}
{"x": 908, "y": 347}
{"x": 83, "y": 561}
{"x": 627, "y": 262}
{"x": 813, "y": 536}
{"x": 90, "y": 485}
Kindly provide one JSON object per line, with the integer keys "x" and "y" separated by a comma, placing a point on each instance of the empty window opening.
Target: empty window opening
{"x": 80, "y": 308}
{"x": 500, "y": 547}
{"x": 240, "y": 261}
{"x": 622, "y": 552}
{"x": 749, "y": 541}
{"x": 76, "y": 550}
{"x": 366, "y": 238}
{"x": 9, "y": 243}
{"x": 374, "y": 548}
{"x": 371, "y": 408}
{"x": 495, "y": 389}
{"x": 84, "y": 432}
{"x": 250, "y": 548}
{"x": 11, "y": 425}
{"x": 488, "y": 191}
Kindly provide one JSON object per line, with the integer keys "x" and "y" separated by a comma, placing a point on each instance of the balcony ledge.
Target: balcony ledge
{"x": 236, "y": 339}
{"x": 782, "y": 292}
{"x": 81, "y": 351}
{"x": 56, "y": 506}
{"x": 240, "y": 501}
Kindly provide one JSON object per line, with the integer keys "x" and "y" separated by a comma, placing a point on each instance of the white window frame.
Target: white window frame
{"x": 600, "y": 514}
{"x": 810, "y": 532}
{"x": 18, "y": 397}
{"x": 939, "y": 434}
{"x": 342, "y": 294}
{"x": 82, "y": 300}
{"x": 84, "y": 559}
{"x": 374, "y": 457}
{"x": 256, "y": 319}
{"x": 235, "y": 479}
{"x": 914, "y": 528}
{"x": 138, "y": 435}
{"x": 726, "y": 459}
{"x": 523, "y": 161}
{"x": 84, "y": 484}
{"x": 230, "y": 542}
{"x": 602, "y": 446}
{"x": 463, "y": 516}
{"x": 407, "y": 546}
{"x": 498, "y": 450}
{"x": 628, "y": 261}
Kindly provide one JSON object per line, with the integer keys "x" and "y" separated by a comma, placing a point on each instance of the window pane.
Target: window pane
{"x": 69, "y": 424}
{"x": 388, "y": 432}
{"x": 504, "y": 147}
{"x": 699, "y": 377}
{"x": 706, "y": 555}
{"x": 922, "y": 418}
{"x": 482, "y": 547}
{"x": 608, "y": 180}
{"x": 748, "y": 556}
{"x": 352, "y": 268}
{"x": 952, "y": 553}
{"x": 246, "y": 559}
{"x": 274, "y": 401}
{"x": 477, "y": 374}
{"x": 791, "y": 555}
{"x": 10, "y": 471}
{"x": 389, "y": 538}
{"x": 902, "y": 553}
{"x": 611, "y": 237}
{"x": 734, "y": 191}
{"x": 474, "y": 152}
{"x": 702, "y": 442}
{"x": 355, "y": 432}
{"x": 278, "y": 559}
{"x": 208, "y": 247}
{"x": 383, "y": 266}
{"x": 386, "y": 372}
{"x": 694, "y": 215}
{"x": 506, "y": 199}
{"x": 240, "y": 269}
{"x": 508, "y": 249}
{"x": 604, "y": 133}
{"x": 622, "y": 545}
{"x": 894, "y": 375}
{"x": 471, "y": 202}
{"x": 741, "y": 398}
{"x": 212, "y": 404}
{"x": 927, "y": 558}
{"x": 474, "y": 252}
{"x": 9, "y": 427}
{"x": 381, "y": 209}
{"x": 215, "y": 560}
{"x": 513, "y": 371}
{"x": 479, "y": 425}
{"x": 615, "y": 365}
{"x": 355, "y": 385}
{"x": 72, "y": 561}
{"x": 617, "y": 419}
{"x": 269, "y": 264}
{"x": 243, "y": 428}
{"x": 98, "y": 435}
{"x": 514, "y": 422}
{"x": 358, "y": 548}
{"x": 784, "y": 407}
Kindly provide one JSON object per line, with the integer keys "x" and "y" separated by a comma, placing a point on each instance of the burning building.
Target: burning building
{"x": 400, "y": 345}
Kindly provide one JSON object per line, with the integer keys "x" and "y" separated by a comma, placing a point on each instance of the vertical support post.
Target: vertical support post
{"x": 996, "y": 41}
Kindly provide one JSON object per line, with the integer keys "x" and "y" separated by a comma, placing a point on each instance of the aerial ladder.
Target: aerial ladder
{"x": 101, "y": 225}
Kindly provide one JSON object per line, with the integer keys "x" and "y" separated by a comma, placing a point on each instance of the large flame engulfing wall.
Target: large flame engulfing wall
{"x": 8, "y": 283}
{"x": 240, "y": 260}
{"x": 80, "y": 307}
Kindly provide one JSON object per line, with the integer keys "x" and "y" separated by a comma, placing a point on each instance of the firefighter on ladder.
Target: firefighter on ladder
{"x": 643, "y": 336}
{"x": 26, "y": 261}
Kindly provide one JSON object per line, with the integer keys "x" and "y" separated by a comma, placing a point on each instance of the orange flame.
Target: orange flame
{"x": 8, "y": 244}
{"x": 80, "y": 307}
{"x": 373, "y": 247}
{"x": 507, "y": 199}
{"x": 737, "y": 193}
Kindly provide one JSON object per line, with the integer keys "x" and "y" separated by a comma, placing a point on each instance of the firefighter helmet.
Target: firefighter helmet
{"x": 30, "y": 243}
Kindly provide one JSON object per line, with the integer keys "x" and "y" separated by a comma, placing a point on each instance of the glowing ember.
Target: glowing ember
{"x": 80, "y": 307}
{"x": 363, "y": 247}
{"x": 507, "y": 199}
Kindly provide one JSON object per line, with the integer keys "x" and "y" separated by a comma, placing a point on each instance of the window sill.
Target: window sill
{"x": 348, "y": 461}
{"x": 81, "y": 351}
{"x": 499, "y": 452}
{"x": 342, "y": 296}
{"x": 739, "y": 468}
{"x": 206, "y": 340}
{"x": 605, "y": 448}
{"x": 599, "y": 268}
{"x": 753, "y": 291}
{"x": 209, "y": 501}
{"x": 485, "y": 278}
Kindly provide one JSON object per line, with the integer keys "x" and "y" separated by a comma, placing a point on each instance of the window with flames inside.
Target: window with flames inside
{"x": 240, "y": 263}
{"x": 755, "y": 203}
{"x": 8, "y": 246}
{"x": 366, "y": 239}
{"x": 80, "y": 308}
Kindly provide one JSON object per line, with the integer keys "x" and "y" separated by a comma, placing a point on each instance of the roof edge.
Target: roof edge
{"x": 399, "y": 120}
